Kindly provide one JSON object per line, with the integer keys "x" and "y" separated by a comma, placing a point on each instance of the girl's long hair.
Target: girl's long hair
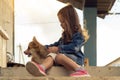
{"x": 69, "y": 14}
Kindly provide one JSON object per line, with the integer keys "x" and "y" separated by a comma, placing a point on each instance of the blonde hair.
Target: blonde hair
{"x": 85, "y": 34}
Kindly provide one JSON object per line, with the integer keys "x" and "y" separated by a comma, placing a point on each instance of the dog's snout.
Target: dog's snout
{"x": 26, "y": 52}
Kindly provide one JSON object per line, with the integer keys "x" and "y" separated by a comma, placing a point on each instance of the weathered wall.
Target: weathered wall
{"x": 7, "y": 21}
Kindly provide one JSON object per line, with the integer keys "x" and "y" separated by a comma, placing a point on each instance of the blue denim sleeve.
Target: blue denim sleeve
{"x": 54, "y": 44}
{"x": 74, "y": 46}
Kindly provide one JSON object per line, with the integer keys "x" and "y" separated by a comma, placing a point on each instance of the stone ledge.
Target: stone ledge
{"x": 60, "y": 71}
{"x": 60, "y": 78}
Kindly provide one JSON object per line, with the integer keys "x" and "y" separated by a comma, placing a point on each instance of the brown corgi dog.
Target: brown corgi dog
{"x": 37, "y": 51}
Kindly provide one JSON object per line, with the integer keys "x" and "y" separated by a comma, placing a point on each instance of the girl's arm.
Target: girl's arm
{"x": 54, "y": 44}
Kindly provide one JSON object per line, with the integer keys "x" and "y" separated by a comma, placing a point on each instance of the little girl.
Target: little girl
{"x": 67, "y": 50}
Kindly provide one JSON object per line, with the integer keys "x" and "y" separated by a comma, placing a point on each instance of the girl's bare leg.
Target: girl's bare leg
{"x": 48, "y": 62}
{"x": 66, "y": 62}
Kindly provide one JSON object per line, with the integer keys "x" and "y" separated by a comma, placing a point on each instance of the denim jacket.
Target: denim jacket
{"x": 74, "y": 47}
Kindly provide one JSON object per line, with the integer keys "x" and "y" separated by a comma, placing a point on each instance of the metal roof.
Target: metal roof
{"x": 103, "y": 6}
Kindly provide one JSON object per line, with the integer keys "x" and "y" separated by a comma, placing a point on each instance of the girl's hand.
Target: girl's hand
{"x": 53, "y": 49}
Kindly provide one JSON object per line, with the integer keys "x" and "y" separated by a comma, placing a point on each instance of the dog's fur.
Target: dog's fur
{"x": 36, "y": 50}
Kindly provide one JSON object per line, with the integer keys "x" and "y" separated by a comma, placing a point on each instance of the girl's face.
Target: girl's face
{"x": 62, "y": 21}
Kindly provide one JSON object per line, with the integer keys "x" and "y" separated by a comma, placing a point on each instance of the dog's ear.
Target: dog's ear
{"x": 34, "y": 38}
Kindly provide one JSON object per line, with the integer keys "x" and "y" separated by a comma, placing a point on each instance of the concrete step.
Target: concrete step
{"x": 59, "y": 73}
{"x": 60, "y": 78}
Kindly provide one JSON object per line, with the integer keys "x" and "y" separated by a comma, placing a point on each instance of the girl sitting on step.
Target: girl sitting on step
{"x": 67, "y": 50}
